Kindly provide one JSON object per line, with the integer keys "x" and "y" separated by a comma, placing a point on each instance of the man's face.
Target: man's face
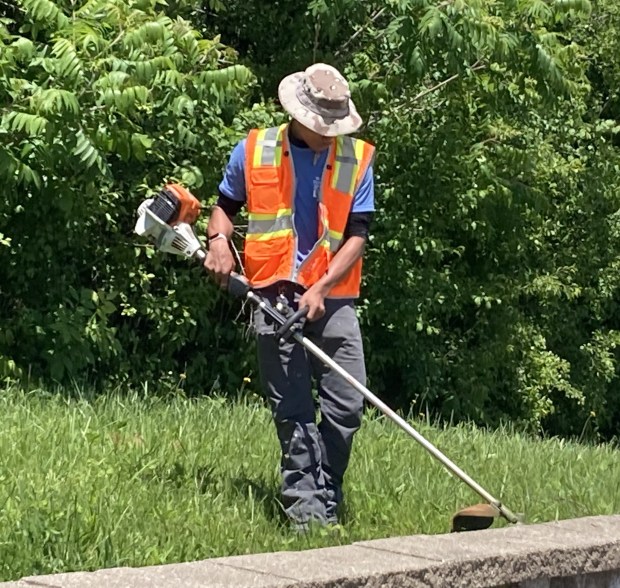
{"x": 315, "y": 141}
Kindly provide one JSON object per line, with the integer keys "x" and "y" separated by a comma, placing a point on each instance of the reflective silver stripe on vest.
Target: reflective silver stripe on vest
{"x": 270, "y": 225}
{"x": 344, "y": 180}
{"x": 270, "y": 145}
{"x": 334, "y": 243}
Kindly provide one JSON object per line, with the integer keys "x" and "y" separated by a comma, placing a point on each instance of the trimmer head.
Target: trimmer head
{"x": 474, "y": 518}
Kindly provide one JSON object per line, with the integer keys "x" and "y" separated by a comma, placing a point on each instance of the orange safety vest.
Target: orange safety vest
{"x": 271, "y": 240}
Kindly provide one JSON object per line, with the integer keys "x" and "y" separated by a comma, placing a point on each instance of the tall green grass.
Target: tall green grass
{"x": 137, "y": 481}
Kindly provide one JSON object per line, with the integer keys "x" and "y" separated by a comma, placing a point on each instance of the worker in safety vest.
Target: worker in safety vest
{"x": 309, "y": 192}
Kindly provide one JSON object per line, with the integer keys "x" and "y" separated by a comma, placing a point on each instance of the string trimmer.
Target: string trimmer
{"x": 167, "y": 221}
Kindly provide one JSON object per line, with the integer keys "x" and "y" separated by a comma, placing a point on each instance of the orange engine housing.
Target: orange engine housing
{"x": 189, "y": 206}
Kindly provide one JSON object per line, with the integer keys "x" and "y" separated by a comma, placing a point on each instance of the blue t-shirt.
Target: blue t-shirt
{"x": 308, "y": 170}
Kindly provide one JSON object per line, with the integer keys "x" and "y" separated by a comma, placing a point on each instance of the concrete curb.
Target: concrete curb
{"x": 573, "y": 553}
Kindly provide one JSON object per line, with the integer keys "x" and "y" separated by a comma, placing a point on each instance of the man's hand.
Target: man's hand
{"x": 341, "y": 263}
{"x": 220, "y": 261}
{"x": 314, "y": 299}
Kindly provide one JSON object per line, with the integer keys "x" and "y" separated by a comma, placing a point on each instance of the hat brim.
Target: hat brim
{"x": 287, "y": 93}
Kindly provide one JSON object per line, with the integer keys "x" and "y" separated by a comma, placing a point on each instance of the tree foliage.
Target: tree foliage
{"x": 491, "y": 288}
{"x": 102, "y": 102}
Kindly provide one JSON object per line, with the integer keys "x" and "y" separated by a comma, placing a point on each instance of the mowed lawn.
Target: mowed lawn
{"x": 127, "y": 480}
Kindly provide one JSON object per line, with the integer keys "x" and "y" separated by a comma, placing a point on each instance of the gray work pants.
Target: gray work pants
{"x": 314, "y": 457}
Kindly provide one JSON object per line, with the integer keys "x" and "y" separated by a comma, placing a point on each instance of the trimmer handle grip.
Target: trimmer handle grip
{"x": 238, "y": 286}
{"x": 292, "y": 324}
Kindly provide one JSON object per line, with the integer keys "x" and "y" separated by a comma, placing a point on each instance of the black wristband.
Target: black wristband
{"x": 211, "y": 238}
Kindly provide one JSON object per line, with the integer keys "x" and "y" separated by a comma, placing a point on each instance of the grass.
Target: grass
{"x": 139, "y": 481}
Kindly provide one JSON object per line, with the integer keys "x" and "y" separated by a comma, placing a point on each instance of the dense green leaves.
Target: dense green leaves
{"x": 102, "y": 102}
{"x": 492, "y": 275}
{"x": 497, "y": 186}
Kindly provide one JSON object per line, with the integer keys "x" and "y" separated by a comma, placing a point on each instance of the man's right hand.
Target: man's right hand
{"x": 220, "y": 261}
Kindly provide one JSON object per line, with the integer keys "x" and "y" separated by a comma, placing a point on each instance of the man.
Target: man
{"x": 309, "y": 191}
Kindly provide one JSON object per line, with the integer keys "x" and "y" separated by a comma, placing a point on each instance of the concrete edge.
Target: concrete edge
{"x": 574, "y": 552}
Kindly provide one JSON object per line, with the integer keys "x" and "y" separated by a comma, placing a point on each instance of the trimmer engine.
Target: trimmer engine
{"x": 174, "y": 204}
{"x": 167, "y": 220}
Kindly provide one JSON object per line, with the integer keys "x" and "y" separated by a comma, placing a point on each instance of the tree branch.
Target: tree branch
{"x": 475, "y": 67}
{"x": 359, "y": 31}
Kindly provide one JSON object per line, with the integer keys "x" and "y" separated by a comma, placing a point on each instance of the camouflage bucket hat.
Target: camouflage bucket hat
{"x": 319, "y": 98}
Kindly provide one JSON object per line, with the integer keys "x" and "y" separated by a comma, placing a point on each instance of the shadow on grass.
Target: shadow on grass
{"x": 207, "y": 478}
{"x": 265, "y": 493}
{"x": 260, "y": 490}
